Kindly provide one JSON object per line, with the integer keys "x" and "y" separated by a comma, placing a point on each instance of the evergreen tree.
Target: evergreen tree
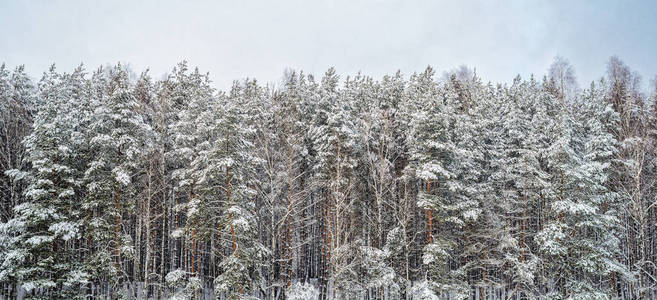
{"x": 17, "y": 108}
{"x": 240, "y": 271}
{"x": 116, "y": 137}
{"x": 45, "y": 233}
{"x": 432, "y": 151}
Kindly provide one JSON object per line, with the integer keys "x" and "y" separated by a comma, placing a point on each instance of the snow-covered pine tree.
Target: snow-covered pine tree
{"x": 117, "y": 140}
{"x": 17, "y": 108}
{"x": 181, "y": 139}
{"x": 602, "y": 231}
{"x": 293, "y": 157}
{"x": 562, "y": 202}
{"x": 271, "y": 203}
{"x": 193, "y": 134}
{"x": 432, "y": 150}
{"x": 402, "y": 240}
{"x": 629, "y": 168}
{"x": 379, "y": 131}
{"x": 475, "y": 136}
{"x": 489, "y": 230}
{"x": 521, "y": 180}
{"x": 334, "y": 136}
{"x": 146, "y": 220}
{"x": 240, "y": 271}
{"x": 579, "y": 241}
{"x": 46, "y": 231}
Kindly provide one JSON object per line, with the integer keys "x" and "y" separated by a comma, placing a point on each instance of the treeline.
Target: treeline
{"x": 420, "y": 187}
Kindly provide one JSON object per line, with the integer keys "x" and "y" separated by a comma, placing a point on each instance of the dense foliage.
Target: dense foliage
{"x": 420, "y": 187}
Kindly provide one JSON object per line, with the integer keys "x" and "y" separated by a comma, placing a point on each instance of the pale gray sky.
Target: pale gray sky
{"x": 238, "y": 39}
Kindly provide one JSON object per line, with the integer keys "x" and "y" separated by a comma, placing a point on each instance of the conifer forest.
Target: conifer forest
{"x": 428, "y": 185}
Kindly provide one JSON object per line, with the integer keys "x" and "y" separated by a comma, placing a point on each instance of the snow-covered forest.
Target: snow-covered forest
{"x": 430, "y": 185}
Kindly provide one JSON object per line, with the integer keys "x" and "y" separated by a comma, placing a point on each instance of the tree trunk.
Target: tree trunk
{"x": 117, "y": 228}
{"x": 429, "y": 215}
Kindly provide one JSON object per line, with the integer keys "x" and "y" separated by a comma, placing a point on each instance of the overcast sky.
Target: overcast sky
{"x": 238, "y": 39}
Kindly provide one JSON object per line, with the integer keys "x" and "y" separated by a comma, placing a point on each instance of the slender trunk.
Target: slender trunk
{"x": 290, "y": 225}
{"x": 484, "y": 271}
{"x": 232, "y": 227}
{"x": 89, "y": 251}
{"x": 148, "y": 236}
{"x": 524, "y": 225}
{"x": 192, "y": 248}
{"x": 163, "y": 187}
{"x": 218, "y": 247}
{"x": 193, "y": 252}
{"x": 136, "y": 259}
{"x": 175, "y": 257}
{"x": 117, "y": 228}
{"x": 327, "y": 242}
{"x": 429, "y": 215}
{"x": 163, "y": 243}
